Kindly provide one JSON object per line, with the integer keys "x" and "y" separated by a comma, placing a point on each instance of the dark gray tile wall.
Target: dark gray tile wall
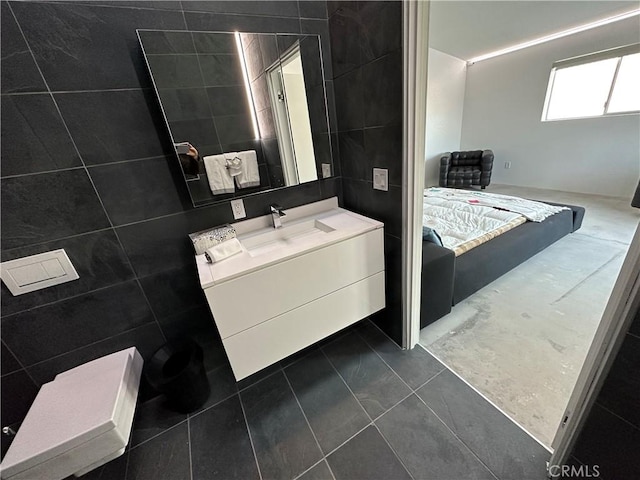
{"x": 366, "y": 52}
{"x": 610, "y": 437}
{"x": 87, "y": 166}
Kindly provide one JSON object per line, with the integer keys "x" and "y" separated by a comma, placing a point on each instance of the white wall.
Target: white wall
{"x": 445, "y": 100}
{"x": 502, "y": 110}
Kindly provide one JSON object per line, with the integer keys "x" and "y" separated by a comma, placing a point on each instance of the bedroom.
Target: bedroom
{"x": 522, "y": 339}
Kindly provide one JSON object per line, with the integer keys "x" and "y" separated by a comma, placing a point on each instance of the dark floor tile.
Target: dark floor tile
{"x": 296, "y": 357}
{"x": 42, "y": 333}
{"x": 153, "y": 187}
{"x": 284, "y": 444}
{"x": 220, "y": 445}
{"x": 34, "y": 138}
{"x": 222, "y": 383}
{"x": 498, "y": 442}
{"x": 114, "y": 470}
{"x": 374, "y": 384}
{"x": 147, "y": 339}
{"x": 366, "y": 456}
{"x": 333, "y": 412}
{"x": 18, "y": 393}
{"x": 382, "y": 90}
{"x": 106, "y": 132}
{"x": 8, "y": 362}
{"x": 152, "y": 418}
{"x": 426, "y": 447}
{"x": 85, "y": 47}
{"x": 19, "y": 71}
{"x": 610, "y": 443}
{"x": 320, "y": 472}
{"x": 258, "y": 376}
{"x": 620, "y": 392}
{"x": 165, "y": 457}
{"x": 414, "y": 366}
{"x": 97, "y": 257}
{"x": 49, "y": 206}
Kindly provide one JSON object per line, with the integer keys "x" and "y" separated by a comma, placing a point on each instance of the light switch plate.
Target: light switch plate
{"x": 237, "y": 207}
{"x": 326, "y": 170}
{"x": 381, "y": 179}
{"x": 28, "y": 274}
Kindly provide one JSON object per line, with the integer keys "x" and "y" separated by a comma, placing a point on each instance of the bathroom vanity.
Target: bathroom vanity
{"x": 293, "y": 286}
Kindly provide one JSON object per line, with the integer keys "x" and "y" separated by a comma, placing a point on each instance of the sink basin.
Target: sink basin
{"x": 292, "y": 235}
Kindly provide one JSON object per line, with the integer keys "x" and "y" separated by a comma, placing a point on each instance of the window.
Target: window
{"x": 598, "y": 84}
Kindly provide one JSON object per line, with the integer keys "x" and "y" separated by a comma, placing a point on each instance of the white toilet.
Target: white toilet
{"x": 78, "y": 422}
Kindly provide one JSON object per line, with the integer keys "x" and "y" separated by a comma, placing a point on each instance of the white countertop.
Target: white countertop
{"x": 346, "y": 225}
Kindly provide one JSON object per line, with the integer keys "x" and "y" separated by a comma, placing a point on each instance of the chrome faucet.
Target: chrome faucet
{"x": 276, "y": 213}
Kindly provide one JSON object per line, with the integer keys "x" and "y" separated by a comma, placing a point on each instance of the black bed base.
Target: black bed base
{"x": 447, "y": 279}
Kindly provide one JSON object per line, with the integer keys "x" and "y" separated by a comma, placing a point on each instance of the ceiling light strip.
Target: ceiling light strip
{"x": 247, "y": 86}
{"x": 555, "y": 36}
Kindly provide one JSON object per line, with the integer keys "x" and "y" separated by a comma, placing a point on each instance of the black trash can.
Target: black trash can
{"x": 177, "y": 370}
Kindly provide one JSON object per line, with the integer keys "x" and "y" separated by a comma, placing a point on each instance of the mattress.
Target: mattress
{"x": 463, "y": 226}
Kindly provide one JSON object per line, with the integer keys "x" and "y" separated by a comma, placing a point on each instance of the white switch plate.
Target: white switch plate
{"x": 381, "y": 179}
{"x": 237, "y": 207}
{"x": 507, "y": 164}
{"x": 326, "y": 170}
{"x": 28, "y": 274}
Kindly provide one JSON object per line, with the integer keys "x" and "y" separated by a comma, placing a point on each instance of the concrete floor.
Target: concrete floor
{"x": 522, "y": 339}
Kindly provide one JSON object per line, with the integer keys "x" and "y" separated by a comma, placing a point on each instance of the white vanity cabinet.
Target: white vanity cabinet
{"x": 277, "y": 309}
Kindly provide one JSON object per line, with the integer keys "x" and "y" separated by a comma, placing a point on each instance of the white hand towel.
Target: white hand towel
{"x": 250, "y": 175}
{"x": 224, "y": 250}
{"x": 219, "y": 179}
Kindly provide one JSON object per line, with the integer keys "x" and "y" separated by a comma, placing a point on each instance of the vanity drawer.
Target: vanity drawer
{"x": 254, "y": 298}
{"x": 271, "y": 341}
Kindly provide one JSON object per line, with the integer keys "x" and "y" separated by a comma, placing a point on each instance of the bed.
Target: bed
{"x": 472, "y": 257}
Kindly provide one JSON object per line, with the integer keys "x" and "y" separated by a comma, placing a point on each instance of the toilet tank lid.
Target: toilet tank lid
{"x": 78, "y": 405}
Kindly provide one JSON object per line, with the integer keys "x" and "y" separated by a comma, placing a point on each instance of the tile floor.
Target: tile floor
{"x": 353, "y": 407}
{"x": 522, "y": 339}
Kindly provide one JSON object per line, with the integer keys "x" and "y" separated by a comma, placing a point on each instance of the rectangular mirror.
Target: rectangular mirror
{"x": 247, "y": 112}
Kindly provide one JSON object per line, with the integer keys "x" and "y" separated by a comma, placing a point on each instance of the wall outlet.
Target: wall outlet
{"x": 326, "y": 170}
{"x": 237, "y": 207}
{"x": 507, "y": 164}
{"x": 381, "y": 179}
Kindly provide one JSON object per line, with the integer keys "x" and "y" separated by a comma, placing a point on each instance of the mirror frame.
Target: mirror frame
{"x": 238, "y": 194}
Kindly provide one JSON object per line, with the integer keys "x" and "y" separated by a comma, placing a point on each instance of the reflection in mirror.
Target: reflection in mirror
{"x": 246, "y": 111}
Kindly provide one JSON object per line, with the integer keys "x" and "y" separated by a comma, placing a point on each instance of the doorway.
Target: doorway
{"x": 595, "y": 232}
